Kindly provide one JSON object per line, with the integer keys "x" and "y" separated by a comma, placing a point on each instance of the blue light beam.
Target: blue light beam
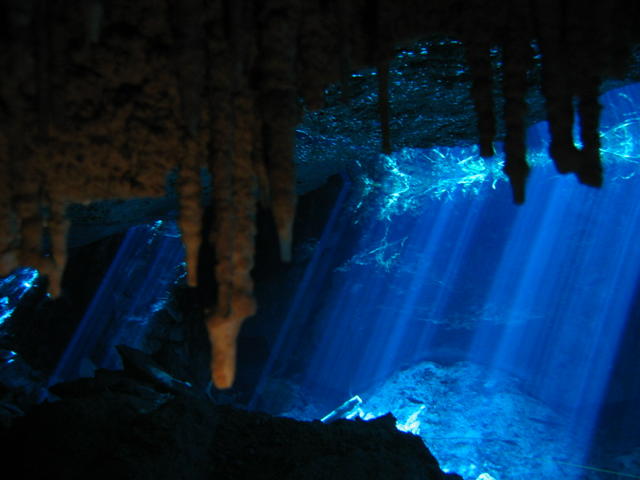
{"x": 133, "y": 289}
{"x": 450, "y": 271}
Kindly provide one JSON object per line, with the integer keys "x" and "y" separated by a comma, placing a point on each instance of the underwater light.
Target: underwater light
{"x": 13, "y": 288}
{"x": 149, "y": 261}
{"x": 7, "y": 356}
{"x": 443, "y": 269}
{"x": 485, "y": 476}
{"x": 347, "y": 409}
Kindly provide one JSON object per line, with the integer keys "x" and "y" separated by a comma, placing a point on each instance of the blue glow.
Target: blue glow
{"x": 7, "y": 357}
{"x": 450, "y": 292}
{"x": 13, "y": 288}
{"x": 138, "y": 282}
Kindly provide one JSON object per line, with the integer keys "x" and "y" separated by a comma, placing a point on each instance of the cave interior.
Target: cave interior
{"x": 291, "y": 210}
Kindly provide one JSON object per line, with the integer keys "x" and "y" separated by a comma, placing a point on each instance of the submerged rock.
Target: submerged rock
{"x": 117, "y": 426}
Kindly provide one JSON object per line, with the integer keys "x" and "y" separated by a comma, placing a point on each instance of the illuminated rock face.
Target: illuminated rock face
{"x": 103, "y": 100}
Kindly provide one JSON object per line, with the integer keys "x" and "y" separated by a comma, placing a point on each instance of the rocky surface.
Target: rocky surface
{"x": 135, "y": 424}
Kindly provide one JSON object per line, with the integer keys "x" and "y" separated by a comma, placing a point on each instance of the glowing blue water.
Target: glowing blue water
{"x": 136, "y": 285}
{"x": 449, "y": 270}
{"x": 13, "y": 288}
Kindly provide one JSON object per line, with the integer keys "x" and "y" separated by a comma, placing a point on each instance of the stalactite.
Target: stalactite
{"x": 318, "y": 49}
{"x": 383, "y": 105}
{"x": 42, "y": 69}
{"x": 27, "y": 204}
{"x": 8, "y": 224}
{"x": 262, "y": 173}
{"x": 190, "y": 218}
{"x": 223, "y": 45}
{"x": 479, "y": 60}
{"x": 516, "y": 60}
{"x": 190, "y": 60}
{"x": 281, "y": 115}
{"x": 221, "y": 167}
{"x": 587, "y": 42}
{"x": 280, "y": 112}
{"x": 590, "y": 170}
{"x": 57, "y": 63}
{"x": 56, "y": 226}
{"x": 555, "y": 85}
{"x": 380, "y": 47}
{"x": 233, "y": 132}
{"x": 342, "y": 16}
{"x": 225, "y": 322}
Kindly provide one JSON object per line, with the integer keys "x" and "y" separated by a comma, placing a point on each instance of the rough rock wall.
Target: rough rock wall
{"x": 103, "y": 99}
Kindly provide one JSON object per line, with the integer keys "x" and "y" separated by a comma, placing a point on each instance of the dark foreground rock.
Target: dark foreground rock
{"x": 120, "y": 426}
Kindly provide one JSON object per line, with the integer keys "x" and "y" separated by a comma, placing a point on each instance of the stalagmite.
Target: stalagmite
{"x": 516, "y": 60}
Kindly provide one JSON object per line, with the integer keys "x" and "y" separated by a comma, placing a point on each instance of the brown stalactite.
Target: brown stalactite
{"x": 191, "y": 72}
{"x": 190, "y": 218}
{"x": 27, "y": 206}
{"x": 516, "y": 62}
{"x": 8, "y": 260}
{"x": 234, "y": 132}
{"x": 280, "y": 111}
{"x": 7, "y": 256}
{"x": 221, "y": 167}
{"x": 280, "y": 114}
{"x": 57, "y": 227}
{"x": 190, "y": 60}
{"x": 225, "y": 322}
{"x": 222, "y": 75}
{"x": 262, "y": 172}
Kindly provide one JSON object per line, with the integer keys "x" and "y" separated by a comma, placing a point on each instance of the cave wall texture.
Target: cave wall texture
{"x": 103, "y": 99}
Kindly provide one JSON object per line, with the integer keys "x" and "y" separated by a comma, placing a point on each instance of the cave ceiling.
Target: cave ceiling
{"x": 103, "y": 100}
